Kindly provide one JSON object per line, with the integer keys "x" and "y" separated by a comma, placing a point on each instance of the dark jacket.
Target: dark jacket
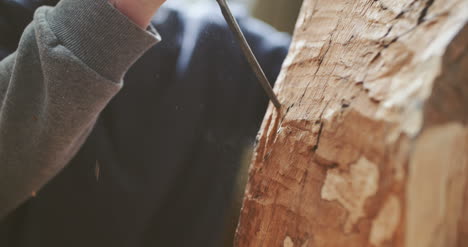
{"x": 161, "y": 175}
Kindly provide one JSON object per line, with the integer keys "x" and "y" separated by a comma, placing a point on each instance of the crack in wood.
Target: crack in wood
{"x": 320, "y": 61}
{"x": 316, "y": 146}
{"x": 388, "y": 32}
{"x": 424, "y": 11}
{"x": 400, "y": 14}
{"x": 406, "y": 10}
{"x": 322, "y": 124}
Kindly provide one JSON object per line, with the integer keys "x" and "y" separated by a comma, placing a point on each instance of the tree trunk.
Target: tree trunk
{"x": 371, "y": 145}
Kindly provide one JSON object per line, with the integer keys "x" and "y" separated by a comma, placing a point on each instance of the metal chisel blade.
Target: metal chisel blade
{"x": 234, "y": 26}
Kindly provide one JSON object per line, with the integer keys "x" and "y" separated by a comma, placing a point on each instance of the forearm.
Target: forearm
{"x": 139, "y": 11}
{"x": 69, "y": 64}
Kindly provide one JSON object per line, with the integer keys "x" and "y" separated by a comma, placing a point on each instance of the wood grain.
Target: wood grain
{"x": 370, "y": 148}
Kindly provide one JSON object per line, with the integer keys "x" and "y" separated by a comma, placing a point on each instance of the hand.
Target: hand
{"x": 139, "y": 11}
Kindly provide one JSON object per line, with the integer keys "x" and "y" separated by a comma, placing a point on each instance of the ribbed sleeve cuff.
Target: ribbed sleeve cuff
{"x": 98, "y": 34}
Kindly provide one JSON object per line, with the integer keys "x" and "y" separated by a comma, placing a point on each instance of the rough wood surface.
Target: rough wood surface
{"x": 371, "y": 146}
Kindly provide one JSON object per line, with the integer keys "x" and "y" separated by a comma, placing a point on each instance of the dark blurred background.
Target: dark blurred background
{"x": 281, "y": 14}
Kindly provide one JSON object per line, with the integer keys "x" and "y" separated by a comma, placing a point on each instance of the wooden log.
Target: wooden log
{"x": 371, "y": 146}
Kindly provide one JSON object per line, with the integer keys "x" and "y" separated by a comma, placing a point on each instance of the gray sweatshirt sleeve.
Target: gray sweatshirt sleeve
{"x": 70, "y": 62}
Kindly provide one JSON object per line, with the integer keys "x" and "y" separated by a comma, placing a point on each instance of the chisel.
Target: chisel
{"x": 234, "y": 26}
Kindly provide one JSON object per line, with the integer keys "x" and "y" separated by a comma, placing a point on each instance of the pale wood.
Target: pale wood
{"x": 371, "y": 147}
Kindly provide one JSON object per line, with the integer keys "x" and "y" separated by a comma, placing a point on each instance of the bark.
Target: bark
{"x": 370, "y": 148}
